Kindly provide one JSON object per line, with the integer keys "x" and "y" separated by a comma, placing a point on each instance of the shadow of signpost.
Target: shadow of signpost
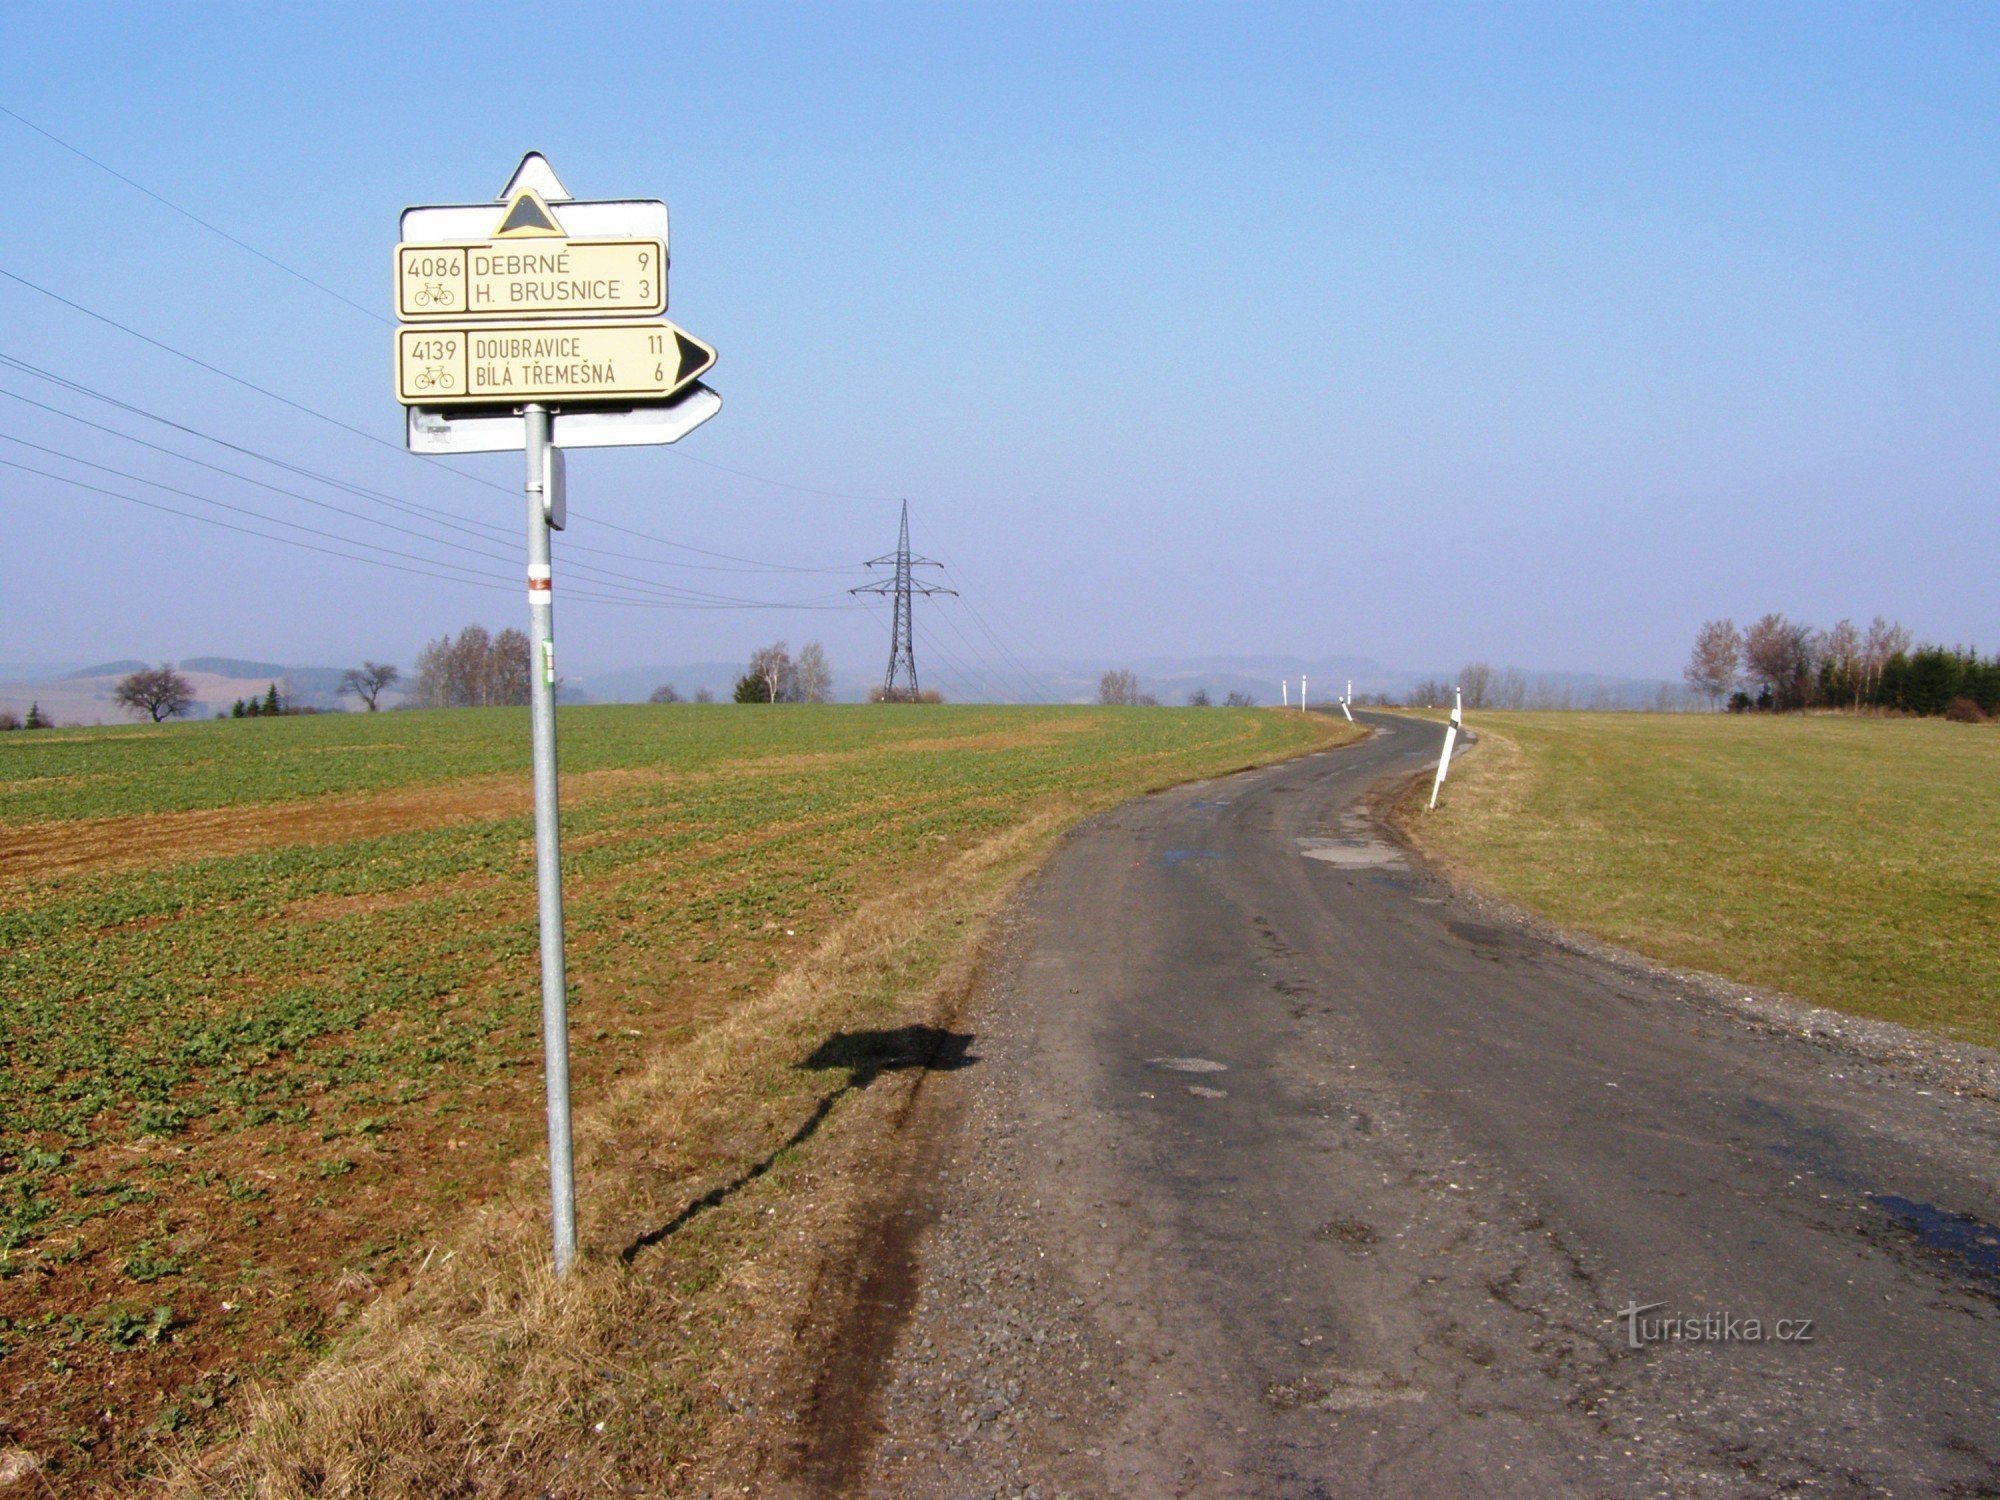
{"x": 866, "y": 1055}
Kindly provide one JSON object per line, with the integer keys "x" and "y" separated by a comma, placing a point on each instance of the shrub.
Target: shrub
{"x": 1964, "y": 711}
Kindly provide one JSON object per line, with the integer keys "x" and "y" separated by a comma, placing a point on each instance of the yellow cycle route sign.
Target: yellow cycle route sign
{"x": 517, "y": 278}
{"x": 501, "y": 364}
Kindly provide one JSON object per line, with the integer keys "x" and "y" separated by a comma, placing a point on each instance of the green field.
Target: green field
{"x": 1850, "y": 861}
{"x": 270, "y": 990}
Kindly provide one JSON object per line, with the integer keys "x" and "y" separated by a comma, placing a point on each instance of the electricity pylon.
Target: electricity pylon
{"x": 902, "y": 636}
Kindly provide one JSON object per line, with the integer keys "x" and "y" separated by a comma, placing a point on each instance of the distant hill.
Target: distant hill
{"x": 231, "y": 666}
{"x": 85, "y": 697}
{"x": 103, "y": 669}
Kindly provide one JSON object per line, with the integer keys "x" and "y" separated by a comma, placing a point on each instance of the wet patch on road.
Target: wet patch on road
{"x": 1187, "y": 1064}
{"x": 1959, "y": 1245}
{"x": 1969, "y": 1245}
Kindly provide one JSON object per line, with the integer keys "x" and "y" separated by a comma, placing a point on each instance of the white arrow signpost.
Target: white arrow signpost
{"x": 532, "y": 323}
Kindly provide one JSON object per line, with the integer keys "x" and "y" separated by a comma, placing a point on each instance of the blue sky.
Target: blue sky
{"x": 1529, "y": 333}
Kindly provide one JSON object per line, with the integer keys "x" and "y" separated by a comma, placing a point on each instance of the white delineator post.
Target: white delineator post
{"x": 1302, "y": 692}
{"x": 1285, "y": 690}
{"x": 1347, "y": 698}
{"x": 1450, "y": 739}
{"x": 548, "y": 844}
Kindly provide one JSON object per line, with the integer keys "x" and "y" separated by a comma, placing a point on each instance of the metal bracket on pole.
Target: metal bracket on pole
{"x": 543, "y": 475}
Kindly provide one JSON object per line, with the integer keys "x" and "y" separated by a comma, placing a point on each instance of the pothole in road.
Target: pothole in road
{"x": 1202, "y": 1092}
{"x": 1347, "y": 1231}
{"x": 1351, "y": 853}
{"x": 1341, "y": 1390}
{"x": 1187, "y": 1064}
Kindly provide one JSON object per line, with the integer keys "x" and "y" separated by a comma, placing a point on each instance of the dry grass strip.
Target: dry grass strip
{"x": 677, "y": 1352}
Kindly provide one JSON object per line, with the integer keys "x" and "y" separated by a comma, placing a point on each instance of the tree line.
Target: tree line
{"x": 475, "y": 669}
{"x": 774, "y": 675}
{"x": 1485, "y": 686}
{"x": 1783, "y": 665}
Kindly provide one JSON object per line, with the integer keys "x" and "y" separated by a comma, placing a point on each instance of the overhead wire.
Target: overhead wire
{"x": 622, "y": 581}
{"x": 972, "y": 676}
{"x": 471, "y": 579}
{"x": 604, "y": 576}
{"x": 987, "y": 667}
{"x": 191, "y": 215}
{"x": 248, "y": 385}
{"x": 402, "y": 503}
{"x": 293, "y": 271}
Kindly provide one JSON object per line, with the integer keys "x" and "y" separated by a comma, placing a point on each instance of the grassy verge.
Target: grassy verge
{"x": 1853, "y": 862}
{"x": 274, "y": 1102}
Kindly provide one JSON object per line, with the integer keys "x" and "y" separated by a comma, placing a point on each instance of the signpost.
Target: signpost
{"x": 481, "y": 365}
{"x": 535, "y": 328}
{"x": 510, "y": 279}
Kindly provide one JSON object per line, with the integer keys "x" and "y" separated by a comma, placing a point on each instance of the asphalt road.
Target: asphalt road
{"x": 1291, "y": 1172}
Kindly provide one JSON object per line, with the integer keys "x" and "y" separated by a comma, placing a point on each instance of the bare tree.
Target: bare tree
{"x": 1118, "y": 686}
{"x": 1475, "y": 678}
{"x": 1840, "y": 664}
{"x": 704, "y": 695}
{"x": 470, "y": 666}
{"x": 1431, "y": 694}
{"x": 1238, "y": 699}
{"x": 1718, "y": 653}
{"x": 1778, "y": 656}
{"x": 157, "y": 692}
{"x": 474, "y": 670}
{"x": 1510, "y": 689}
{"x": 1198, "y": 698}
{"x": 369, "y": 681}
{"x": 666, "y": 692}
{"x": 770, "y": 678}
{"x": 1884, "y": 640}
{"x": 507, "y": 668}
{"x": 812, "y": 675}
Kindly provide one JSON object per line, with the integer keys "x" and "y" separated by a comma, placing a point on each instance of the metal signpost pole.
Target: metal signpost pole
{"x": 548, "y": 844}
{"x": 485, "y": 352}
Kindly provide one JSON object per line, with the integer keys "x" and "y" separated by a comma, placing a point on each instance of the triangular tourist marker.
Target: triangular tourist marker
{"x": 527, "y": 216}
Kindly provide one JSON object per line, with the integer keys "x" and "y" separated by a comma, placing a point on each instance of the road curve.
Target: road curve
{"x": 1288, "y": 1171}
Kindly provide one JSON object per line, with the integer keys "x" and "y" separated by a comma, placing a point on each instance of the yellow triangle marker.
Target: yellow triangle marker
{"x": 528, "y": 217}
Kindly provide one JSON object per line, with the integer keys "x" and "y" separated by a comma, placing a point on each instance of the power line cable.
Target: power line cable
{"x": 476, "y": 580}
{"x": 602, "y": 577}
{"x": 360, "y": 491}
{"x": 706, "y": 463}
{"x": 98, "y": 489}
{"x": 986, "y": 666}
{"x": 191, "y": 215}
{"x": 245, "y": 510}
{"x": 248, "y": 385}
